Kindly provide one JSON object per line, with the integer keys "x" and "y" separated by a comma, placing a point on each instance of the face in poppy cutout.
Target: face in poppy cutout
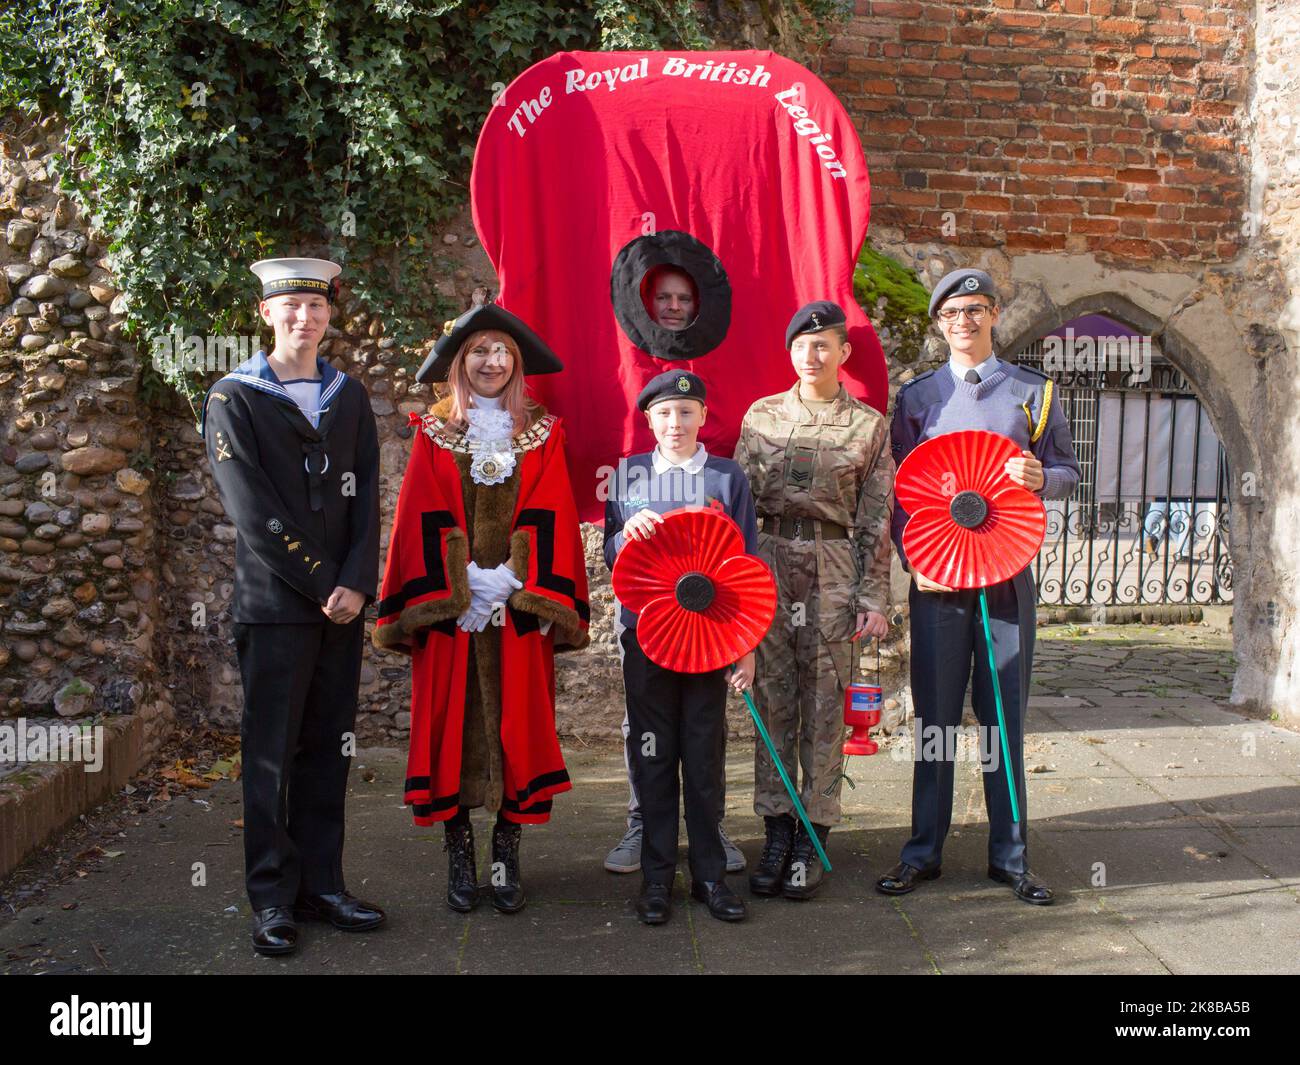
{"x": 732, "y": 184}
{"x": 670, "y": 297}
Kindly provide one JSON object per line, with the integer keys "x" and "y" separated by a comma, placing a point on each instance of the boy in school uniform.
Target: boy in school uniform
{"x": 677, "y": 717}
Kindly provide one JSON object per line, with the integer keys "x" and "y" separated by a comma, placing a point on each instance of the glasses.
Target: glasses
{"x": 975, "y": 313}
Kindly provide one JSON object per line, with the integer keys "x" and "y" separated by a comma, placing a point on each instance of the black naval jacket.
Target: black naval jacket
{"x": 303, "y": 526}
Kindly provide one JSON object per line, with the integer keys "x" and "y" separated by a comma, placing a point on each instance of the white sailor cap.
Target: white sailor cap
{"x": 282, "y": 276}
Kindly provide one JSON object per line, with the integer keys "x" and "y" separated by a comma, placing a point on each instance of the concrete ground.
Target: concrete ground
{"x": 1168, "y": 826}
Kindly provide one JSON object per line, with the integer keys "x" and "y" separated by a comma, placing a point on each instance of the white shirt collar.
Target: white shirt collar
{"x": 486, "y": 402}
{"x": 984, "y": 369}
{"x": 692, "y": 465}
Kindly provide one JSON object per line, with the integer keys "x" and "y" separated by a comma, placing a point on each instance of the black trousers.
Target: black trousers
{"x": 947, "y": 637}
{"x": 300, "y": 698}
{"x": 672, "y": 718}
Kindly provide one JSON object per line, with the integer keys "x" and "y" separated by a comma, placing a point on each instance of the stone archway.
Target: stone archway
{"x": 1195, "y": 331}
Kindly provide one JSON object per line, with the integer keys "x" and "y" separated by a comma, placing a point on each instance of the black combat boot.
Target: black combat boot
{"x": 507, "y": 892}
{"x": 774, "y": 863}
{"x": 462, "y": 875}
{"x": 806, "y": 875}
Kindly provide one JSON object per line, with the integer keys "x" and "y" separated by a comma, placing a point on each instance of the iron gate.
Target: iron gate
{"x": 1148, "y": 522}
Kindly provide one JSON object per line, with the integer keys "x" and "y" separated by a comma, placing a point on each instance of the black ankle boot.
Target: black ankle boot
{"x": 806, "y": 875}
{"x": 774, "y": 862}
{"x": 507, "y": 891}
{"x": 462, "y": 875}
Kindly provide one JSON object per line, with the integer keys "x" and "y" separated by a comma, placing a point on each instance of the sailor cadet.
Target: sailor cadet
{"x": 975, "y": 390}
{"x": 294, "y": 453}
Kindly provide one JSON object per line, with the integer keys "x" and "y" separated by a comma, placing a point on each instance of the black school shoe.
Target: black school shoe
{"x": 655, "y": 903}
{"x": 723, "y": 903}
{"x": 343, "y": 911}
{"x": 274, "y": 930}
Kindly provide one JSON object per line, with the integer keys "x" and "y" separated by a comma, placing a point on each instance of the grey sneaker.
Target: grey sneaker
{"x": 626, "y": 857}
{"x": 735, "y": 859}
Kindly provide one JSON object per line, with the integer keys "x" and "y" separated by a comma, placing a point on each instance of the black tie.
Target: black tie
{"x": 972, "y": 377}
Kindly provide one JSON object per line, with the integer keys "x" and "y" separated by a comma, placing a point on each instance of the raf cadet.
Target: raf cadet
{"x": 975, "y": 390}
{"x": 295, "y": 456}
{"x": 822, "y": 476}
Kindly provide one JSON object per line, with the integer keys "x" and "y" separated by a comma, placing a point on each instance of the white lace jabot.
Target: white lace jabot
{"x": 488, "y": 435}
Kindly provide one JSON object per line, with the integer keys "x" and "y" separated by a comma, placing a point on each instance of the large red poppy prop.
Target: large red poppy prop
{"x": 969, "y": 525}
{"x": 701, "y": 602}
{"x": 741, "y": 168}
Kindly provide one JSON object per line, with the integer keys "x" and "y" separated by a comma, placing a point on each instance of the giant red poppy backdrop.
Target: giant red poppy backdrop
{"x": 741, "y": 167}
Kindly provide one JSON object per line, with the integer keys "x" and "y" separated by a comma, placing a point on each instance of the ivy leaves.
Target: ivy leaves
{"x": 206, "y": 134}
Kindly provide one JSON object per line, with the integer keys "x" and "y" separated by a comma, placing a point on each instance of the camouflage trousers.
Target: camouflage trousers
{"x": 799, "y": 682}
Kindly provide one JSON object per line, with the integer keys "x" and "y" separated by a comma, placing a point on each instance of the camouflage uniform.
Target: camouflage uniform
{"x": 813, "y": 475}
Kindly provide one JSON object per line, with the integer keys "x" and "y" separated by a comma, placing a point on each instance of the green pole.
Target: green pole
{"x": 997, "y": 697}
{"x": 785, "y": 779}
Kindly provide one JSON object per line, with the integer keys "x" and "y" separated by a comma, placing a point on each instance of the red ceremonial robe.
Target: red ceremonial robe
{"x": 426, "y": 587}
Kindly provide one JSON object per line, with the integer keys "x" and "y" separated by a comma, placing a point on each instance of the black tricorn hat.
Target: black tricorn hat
{"x": 538, "y": 358}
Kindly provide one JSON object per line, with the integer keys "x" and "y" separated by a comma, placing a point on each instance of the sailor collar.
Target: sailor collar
{"x": 256, "y": 373}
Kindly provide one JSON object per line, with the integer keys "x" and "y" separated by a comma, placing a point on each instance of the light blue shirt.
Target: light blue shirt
{"x": 984, "y": 369}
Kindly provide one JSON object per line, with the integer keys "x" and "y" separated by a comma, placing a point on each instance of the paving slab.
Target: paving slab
{"x": 1156, "y": 869}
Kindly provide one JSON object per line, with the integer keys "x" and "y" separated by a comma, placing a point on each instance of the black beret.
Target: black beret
{"x": 671, "y": 384}
{"x": 964, "y": 282}
{"x": 813, "y": 318}
{"x": 538, "y": 358}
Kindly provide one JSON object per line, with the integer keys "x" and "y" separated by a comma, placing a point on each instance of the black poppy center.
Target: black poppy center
{"x": 694, "y": 591}
{"x": 968, "y": 509}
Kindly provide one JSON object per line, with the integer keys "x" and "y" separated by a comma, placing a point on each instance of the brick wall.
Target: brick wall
{"x": 1102, "y": 126}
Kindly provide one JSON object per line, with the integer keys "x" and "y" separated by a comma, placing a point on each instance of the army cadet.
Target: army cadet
{"x": 975, "y": 390}
{"x": 295, "y": 456}
{"x": 822, "y": 476}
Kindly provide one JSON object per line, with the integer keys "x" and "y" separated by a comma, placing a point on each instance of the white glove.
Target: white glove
{"x": 474, "y": 619}
{"x": 492, "y": 585}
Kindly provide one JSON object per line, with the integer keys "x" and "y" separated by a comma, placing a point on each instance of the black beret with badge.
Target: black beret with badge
{"x": 964, "y": 282}
{"x": 671, "y": 384}
{"x": 538, "y": 358}
{"x": 813, "y": 318}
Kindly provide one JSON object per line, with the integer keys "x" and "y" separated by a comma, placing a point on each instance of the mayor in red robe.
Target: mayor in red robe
{"x": 485, "y": 580}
